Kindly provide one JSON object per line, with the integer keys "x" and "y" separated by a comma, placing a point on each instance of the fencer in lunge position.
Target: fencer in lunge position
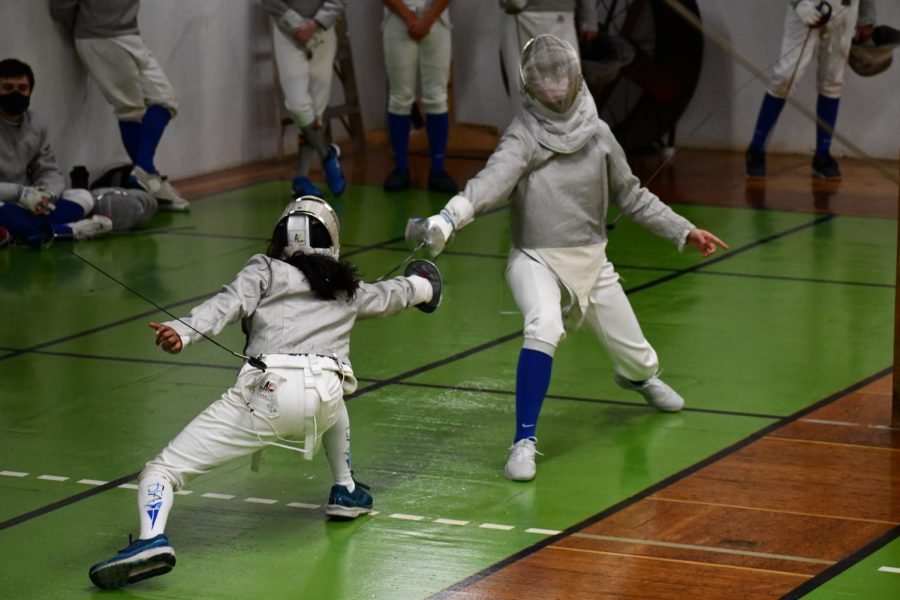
{"x": 825, "y": 28}
{"x": 305, "y": 43}
{"x": 297, "y": 304}
{"x": 560, "y": 166}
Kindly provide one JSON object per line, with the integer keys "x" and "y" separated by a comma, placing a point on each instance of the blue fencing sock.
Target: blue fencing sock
{"x": 438, "y": 127}
{"x": 66, "y": 212}
{"x": 532, "y": 381}
{"x": 131, "y": 138}
{"x": 22, "y": 224}
{"x": 398, "y": 130}
{"x": 152, "y": 127}
{"x": 827, "y": 111}
{"x": 768, "y": 116}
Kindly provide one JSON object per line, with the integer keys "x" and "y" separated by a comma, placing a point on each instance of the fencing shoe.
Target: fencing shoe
{"x": 332, "y": 167}
{"x": 655, "y": 391}
{"x": 755, "y": 162}
{"x": 520, "y": 464}
{"x": 91, "y": 227}
{"x": 302, "y": 186}
{"x": 168, "y": 197}
{"x": 440, "y": 181}
{"x": 140, "y": 560}
{"x": 825, "y": 167}
{"x": 397, "y": 180}
{"x": 343, "y": 504}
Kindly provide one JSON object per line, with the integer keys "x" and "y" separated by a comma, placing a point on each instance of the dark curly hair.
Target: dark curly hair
{"x": 326, "y": 275}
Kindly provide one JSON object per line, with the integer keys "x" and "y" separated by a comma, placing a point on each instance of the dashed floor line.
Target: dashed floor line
{"x": 300, "y": 505}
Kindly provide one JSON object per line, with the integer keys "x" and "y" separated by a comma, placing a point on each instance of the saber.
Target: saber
{"x": 256, "y": 363}
{"x": 403, "y": 262}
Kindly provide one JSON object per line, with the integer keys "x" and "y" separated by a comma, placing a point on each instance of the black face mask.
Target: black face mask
{"x": 14, "y": 103}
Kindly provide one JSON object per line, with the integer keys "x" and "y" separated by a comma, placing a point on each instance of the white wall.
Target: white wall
{"x": 217, "y": 54}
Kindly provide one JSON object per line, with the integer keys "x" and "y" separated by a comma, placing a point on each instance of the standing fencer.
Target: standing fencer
{"x": 109, "y": 43}
{"x": 297, "y": 303}
{"x": 417, "y": 47}
{"x": 568, "y": 20}
{"x": 825, "y": 28}
{"x": 560, "y": 166}
{"x": 305, "y": 44}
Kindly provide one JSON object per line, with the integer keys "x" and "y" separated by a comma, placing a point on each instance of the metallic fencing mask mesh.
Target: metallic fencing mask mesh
{"x": 300, "y": 219}
{"x": 550, "y": 71}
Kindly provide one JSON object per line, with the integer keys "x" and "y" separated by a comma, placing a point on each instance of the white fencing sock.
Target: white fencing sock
{"x": 155, "y": 498}
{"x": 337, "y": 447}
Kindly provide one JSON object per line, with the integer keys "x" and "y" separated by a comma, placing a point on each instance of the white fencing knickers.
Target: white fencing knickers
{"x": 407, "y": 60}
{"x": 832, "y": 41}
{"x": 305, "y": 80}
{"x": 538, "y": 293}
{"x": 298, "y": 395}
{"x": 128, "y": 75}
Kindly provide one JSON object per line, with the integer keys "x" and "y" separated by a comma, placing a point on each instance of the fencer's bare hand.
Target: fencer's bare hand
{"x": 589, "y": 36}
{"x": 420, "y": 28}
{"x": 705, "y": 242}
{"x": 167, "y": 338}
{"x": 305, "y": 32}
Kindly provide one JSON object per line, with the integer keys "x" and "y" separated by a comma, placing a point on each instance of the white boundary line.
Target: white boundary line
{"x": 889, "y": 570}
{"x": 300, "y": 505}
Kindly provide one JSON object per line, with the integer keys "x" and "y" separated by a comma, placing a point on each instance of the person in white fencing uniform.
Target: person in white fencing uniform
{"x": 826, "y": 29}
{"x": 561, "y": 167}
{"x": 35, "y": 205}
{"x": 417, "y": 48}
{"x": 109, "y": 43}
{"x": 297, "y": 304}
{"x": 568, "y": 20}
{"x": 305, "y": 44}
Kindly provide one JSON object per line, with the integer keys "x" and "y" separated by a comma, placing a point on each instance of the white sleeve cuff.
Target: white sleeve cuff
{"x": 460, "y": 210}
{"x": 422, "y": 289}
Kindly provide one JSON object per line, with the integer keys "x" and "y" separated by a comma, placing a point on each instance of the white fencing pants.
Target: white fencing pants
{"x": 538, "y": 294}
{"x": 518, "y": 29}
{"x": 287, "y": 401}
{"x": 831, "y": 44}
{"x": 128, "y": 75}
{"x": 305, "y": 81}
{"x": 408, "y": 60}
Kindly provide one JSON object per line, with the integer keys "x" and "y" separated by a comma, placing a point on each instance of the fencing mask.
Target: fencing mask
{"x": 550, "y": 72}
{"x": 310, "y": 227}
{"x": 875, "y": 55}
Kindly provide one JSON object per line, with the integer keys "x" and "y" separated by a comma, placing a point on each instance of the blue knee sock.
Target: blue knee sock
{"x": 827, "y": 111}
{"x": 66, "y": 212}
{"x": 152, "y": 127}
{"x": 532, "y": 381}
{"x": 131, "y": 138}
{"x": 398, "y": 130}
{"x": 768, "y": 116}
{"x": 438, "y": 127}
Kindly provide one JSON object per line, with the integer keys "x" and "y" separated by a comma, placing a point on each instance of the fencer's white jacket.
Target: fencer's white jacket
{"x": 560, "y": 173}
{"x": 285, "y": 316}
{"x": 26, "y": 159}
{"x": 97, "y": 18}
{"x": 290, "y": 14}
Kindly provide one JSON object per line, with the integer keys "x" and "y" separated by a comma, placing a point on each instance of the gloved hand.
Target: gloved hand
{"x": 813, "y": 13}
{"x": 36, "y": 200}
{"x": 434, "y": 232}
